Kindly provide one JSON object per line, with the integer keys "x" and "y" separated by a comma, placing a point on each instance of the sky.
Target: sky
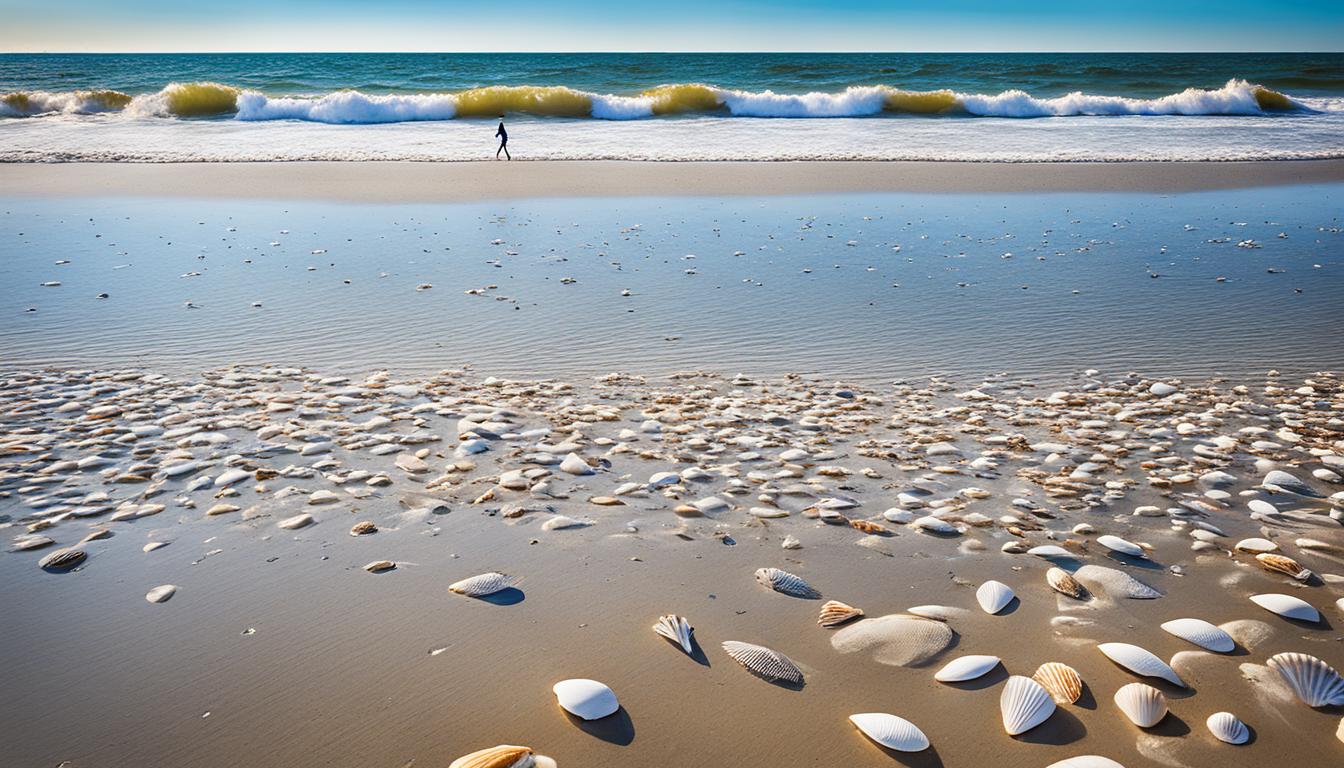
{"x": 685, "y": 25}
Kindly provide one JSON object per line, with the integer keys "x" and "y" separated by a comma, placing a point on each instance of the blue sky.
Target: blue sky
{"x": 691, "y": 25}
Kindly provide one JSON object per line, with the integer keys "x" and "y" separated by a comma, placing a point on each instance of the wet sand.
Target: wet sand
{"x": 467, "y": 181}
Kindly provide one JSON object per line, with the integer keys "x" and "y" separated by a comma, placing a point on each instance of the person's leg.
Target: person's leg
{"x": 497, "y": 151}
{"x": 505, "y": 147}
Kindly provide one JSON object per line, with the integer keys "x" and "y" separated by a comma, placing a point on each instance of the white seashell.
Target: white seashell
{"x": 297, "y": 521}
{"x": 161, "y": 594}
{"x": 584, "y": 698}
{"x": 1114, "y": 583}
{"x": 1050, "y": 550}
{"x": 676, "y": 629}
{"x": 482, "y": 585}
{"x": 28, "y": 543}
{"x": 1287, "y": 606}
{"x": 1316, "y": 683}
{"x": 575, "y": 465}
{"x": 786, "y": 583}
{"x": 1117, "y": 544}
{"x": 834, "y": 613}
{"x": 503, "y": 756}
{"x": 966, "y": 668}
{"x": 1081, "y": 761}
{"x": 994, "y": 596}
{"x": 1061, "y": 680}
{"x": 1201, "y": 633}
{"x": 762, "y": 661}
{"x": 1140, "y": 661}
{"x": 934, "y": 525}
{"x": 1226, "y": 727}
{"x": 891, "y": 731}
{"x": 1024, "y": 704}
{"x": 1144, "y": 705}
{"x": 1255, "y": 545}
{"x": 561, "y": 522}
{"x": 1280, "y": 481}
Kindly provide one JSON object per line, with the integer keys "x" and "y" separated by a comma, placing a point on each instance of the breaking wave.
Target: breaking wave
{"x": 197, "y": 100}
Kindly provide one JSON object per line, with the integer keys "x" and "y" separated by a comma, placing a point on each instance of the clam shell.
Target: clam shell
{"x": 587, "y": 699}
{"x": 675, "y": 628}
{"x": 1062, "y": 582}
{"x": 1316, "y": 683}
{"x": 834, "y": 613}
{"x": 786, "y": 583}
{"x": 1140, "y": 661}
{"x": 28, "y": 543}
{"x": 1278, "y": 480}
{"x": 934, "y": 525}
{"x": 1084, "y": 761}
{"x": 1287, "y": 606}
{"x": 161, "y": 594}
{"x": 1124, "y": 547}
{"x": 378, "y": 566}
{"x": 1283, "y": 564}
{"x": 295, "y": 522}
{"x": 1024, "y": 705}
{"x": 363, "y": 528}
{"x": 1061, "y": 680}
{"x": 762, "y": 661}
{"x": 1144, "y": 705}
{"x": 503, "y": 756}
{"x": 966, "y": 668}
{"x": 482, "y": 585}
{"x": 1114, "y": 583}
{"x": 891, "y": 731}
{"x": 62, "y": 559}
{"x": 1201, "y": 633}
{"x": 1226, "y": 727}
{"x": 1050, "y": 550}
{"x": 994, "y": 596}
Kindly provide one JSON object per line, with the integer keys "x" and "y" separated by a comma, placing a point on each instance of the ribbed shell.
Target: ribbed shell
{"x": 1144, "y": 705}
{"x": 502, "y": 756}
{"x": 1063, "y": 583}
{"x": 834, "y": 613}
{"x": 363, "y": 528}
{"x": 1024, "y": 705}
{"x": 1226, "y": 727}
{"x": 994, "y": 596}
{"x": 1117, "y": 544}
{"x": 482, "y": 585}
{"x": 786, "y": 583}
{"x": 762, "y": 661}
{"x": 1316, "y": 683}
{"x": 1283, "y": 564}
{"x": 891, "y": 731}
{"x": 62, "y": 559}
{"x": 1061, "y": 680}
{"x": 1114, "y": 583}
{"x": 1287, "y": 606}
{"x": 675, "y": 628}
{"x": 1140, "y": 661}
{"x": 1201, "y": 633}
{"x": 965, "y": 668}
{"x": 1086, "y": 761}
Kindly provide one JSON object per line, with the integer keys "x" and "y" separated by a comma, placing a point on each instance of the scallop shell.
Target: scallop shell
{"x": 1061, "y": 680}
{"x": 762, "y": 661}
{"x": 503, "y": 756}
{"x": 1144, "y": 705}
{"x": 1287, "y": 606}
{"x": 891, "y": 731}
{"x": 994, "y": 596}
{"x": 1316, "y": 683}
{"x": 378, "y": 566}
{"x": 1283, "y": 564}
{"x": 1226, "y": 727}
{"x": 786, "y": 583}
{"x": 675, "y": 628}
{"x": 1081, "y": 761}
{"x": 363, "y": 528}
{"x": 1114, "y": 583}
{"x": 587, "y": 699}
{"x": 62, "y": 559}
{"x": 1124, "y": 547}
{"x": 1140, "y": 661}
{"x": 966, "y": 668}
{"x": 482, "y": 585}
{"x": 1024, "y": 705}
{"x": 161, "y": 594}
{"x": 1062, "y": 582}
{"x": 834, "y": 613}
{"x": 1201, "y": 633}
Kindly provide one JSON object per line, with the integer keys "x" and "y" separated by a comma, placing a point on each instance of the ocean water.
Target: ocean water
{"x": 671, "y": 106}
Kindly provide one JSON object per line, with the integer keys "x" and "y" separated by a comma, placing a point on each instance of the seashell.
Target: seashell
{"x": 378, "y": 566}
{"x": 561, "y": 522}
{"x": 587, "y": 699}
{"x": 1287, "y": 606}
{"x": 1316, "y": 683}
{"x": 161, "y": 594}
{"x": 1081, "y": 761}
{"x": 994, "y": 596}
{"x": 29, "y": 543}
{"x": 867, "y": 527}
{"x": 891, "y": 731}
{"x": 1024, "y": 705}
{"x": 1140, "y": 661}
{"x": 1062, "y": 582}
{"x": 1201, "y": 633}
{"x": 1061, "y": 680}
{"x": 966, "y": 668}
{"x": 1050, "y": 550}
{"x": 762, "y": 661}
{"x": 934, "y": 525}
{"x": 482, "y": 585}
{"x": 676, "y": 629}
{"x": 786, "y": 583}
{"x": 1144, "y": 705}
{"x": 153, "y": 545}
{"x": 834, "y": 613}
{"x": 1226, "y": 727}
{"x": 1278, "y": 480}
{"x": 1117, "y": 544}
{"x": 503, "y": 756}
{"x": 1283, "y": 564}
{"x": 1255, "y": 545}
{"x": 363, "y": 528}
{"x": 297, "y": 521}
{"x": 1114, "y": 583}
{"x": 62, "y": 559}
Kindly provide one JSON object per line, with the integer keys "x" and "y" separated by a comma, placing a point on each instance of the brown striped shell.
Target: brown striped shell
{"x": 502, "y": 756}
{"x": 834, "y": 613}
{"x": 1283, "y": 564}
{"x": 62, "y": 559}
{"x": 1061, "y": 680}
{"x": 1063, "y": 582}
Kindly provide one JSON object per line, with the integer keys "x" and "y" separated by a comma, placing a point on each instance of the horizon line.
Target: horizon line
{"x": 654, "y": 52}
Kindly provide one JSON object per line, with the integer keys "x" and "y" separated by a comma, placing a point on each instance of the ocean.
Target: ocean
{"x": 663, "y": 106}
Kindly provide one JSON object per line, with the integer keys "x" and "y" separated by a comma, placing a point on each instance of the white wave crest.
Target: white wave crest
{"x": 1238, "y": 97}
{"x": 852, "y": 102}
{"x": 348, "y": 107}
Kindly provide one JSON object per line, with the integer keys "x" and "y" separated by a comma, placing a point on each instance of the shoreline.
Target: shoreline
{"x": 411, "y": 182}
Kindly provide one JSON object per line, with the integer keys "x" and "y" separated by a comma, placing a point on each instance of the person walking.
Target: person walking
{"x": 503, "y": 136}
